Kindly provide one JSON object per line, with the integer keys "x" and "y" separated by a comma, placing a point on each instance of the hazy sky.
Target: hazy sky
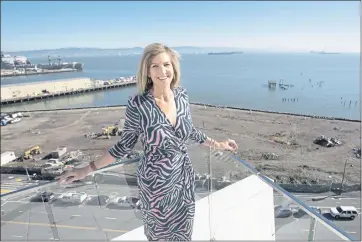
{"x": 277, "y": 26}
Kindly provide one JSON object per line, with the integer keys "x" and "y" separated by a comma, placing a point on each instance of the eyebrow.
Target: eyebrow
{"x": 166, "y": 62}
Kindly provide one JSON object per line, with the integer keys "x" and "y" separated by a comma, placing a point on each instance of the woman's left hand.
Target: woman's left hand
{"x": 228, "y": 145}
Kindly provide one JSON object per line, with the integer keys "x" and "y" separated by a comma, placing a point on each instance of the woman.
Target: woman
{"x": 160, "y": 115}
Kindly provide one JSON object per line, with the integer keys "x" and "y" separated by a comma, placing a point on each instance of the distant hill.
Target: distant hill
{"x": 84, "y": 52}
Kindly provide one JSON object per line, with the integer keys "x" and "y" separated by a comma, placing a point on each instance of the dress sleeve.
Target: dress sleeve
{"x": 196, "y": 135}
{"x": 130, "y": 133}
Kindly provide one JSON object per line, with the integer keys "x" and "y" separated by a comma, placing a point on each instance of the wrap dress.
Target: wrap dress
{"x": 165, "y": 174}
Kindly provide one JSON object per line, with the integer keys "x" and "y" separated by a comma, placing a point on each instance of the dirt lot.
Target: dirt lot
{"x": 296, "y": 158}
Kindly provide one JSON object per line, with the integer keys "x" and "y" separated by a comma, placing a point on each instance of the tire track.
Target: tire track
{"x": 75, "y": 122}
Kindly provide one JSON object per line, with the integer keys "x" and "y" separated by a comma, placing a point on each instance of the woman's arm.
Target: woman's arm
{"x": 126, "y": 143}
{"x": 127, "y": 140}
{"x": 212, "y": 143}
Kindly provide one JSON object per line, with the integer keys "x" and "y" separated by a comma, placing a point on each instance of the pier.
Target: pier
{"x": 272, "y": 84}
{"x": 27, "y": 92}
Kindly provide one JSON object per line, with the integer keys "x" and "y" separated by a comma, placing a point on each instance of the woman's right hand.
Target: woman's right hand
{"x": 73, "y": 175}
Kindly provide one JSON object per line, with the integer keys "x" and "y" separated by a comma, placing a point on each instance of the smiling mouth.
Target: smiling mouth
{"x": 163, "y": 78}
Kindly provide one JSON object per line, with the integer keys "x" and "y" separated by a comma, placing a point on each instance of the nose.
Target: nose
{"x": 163, "y": 70}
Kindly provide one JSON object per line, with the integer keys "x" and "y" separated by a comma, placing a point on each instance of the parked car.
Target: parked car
{"x": 283, "y": 211}
{"x": 98, "y": 200}
{"x": 134, "y": 202}
{"x": 73, "y": 197}
{"x": 4, "y": 122}
{"x": 15, "y": 120}
{"x": 43, "y": 196}
{"x": 114, "y": 198}
{"x": 125, "y": 201}
{"x": 344, "y": 212}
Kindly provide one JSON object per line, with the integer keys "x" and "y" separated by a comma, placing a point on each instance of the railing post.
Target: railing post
{"x": 210, "y": 194}
{"x": 312, "y": 227}
{"x": 51, "y": 219}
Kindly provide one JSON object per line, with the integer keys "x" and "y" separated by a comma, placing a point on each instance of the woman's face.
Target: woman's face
{"x": 161, "y": 70}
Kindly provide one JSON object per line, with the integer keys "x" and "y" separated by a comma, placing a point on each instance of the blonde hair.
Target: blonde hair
{"x": 152, "y": 50}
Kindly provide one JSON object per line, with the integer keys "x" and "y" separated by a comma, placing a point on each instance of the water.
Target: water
{"x": 234, "y": 80}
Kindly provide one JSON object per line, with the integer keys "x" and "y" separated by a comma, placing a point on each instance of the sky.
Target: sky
{"x": 276, "y": 26}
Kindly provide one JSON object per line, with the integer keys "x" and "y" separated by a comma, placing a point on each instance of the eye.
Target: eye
{"x": 154, "y": 66}
{"x": 167, "y": 64}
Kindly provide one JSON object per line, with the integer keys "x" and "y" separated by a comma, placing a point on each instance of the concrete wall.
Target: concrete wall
{"x": 320, "y": 188}
{"x": 241, "y": 211}
{"x": 34, "y": 89}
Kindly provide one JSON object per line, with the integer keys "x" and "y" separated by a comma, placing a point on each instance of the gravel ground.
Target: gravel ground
{"x": 281, "y": 146}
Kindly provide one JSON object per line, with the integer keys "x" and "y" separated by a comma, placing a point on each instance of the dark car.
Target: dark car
{"x": 282, "y": 211}
{"x": 43, "y": 196}
{"x": 134, "y": 202}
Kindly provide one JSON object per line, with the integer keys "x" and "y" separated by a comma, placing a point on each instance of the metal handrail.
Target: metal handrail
{"x": 331, "y": 226}
{"x": 30, "y": 189}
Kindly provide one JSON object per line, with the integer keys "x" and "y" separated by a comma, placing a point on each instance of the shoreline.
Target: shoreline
{"x": 199, "y": 105}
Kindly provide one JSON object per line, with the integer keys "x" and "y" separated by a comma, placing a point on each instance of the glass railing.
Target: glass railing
{"x": 294, "y": 216}
{"x": 97, "y": 208}
{"x": 237, "y": 203}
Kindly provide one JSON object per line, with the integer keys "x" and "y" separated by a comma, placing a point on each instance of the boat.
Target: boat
{"x": 324, "y": 53}
{"x": 225, "y": 53}
{"x": 9, "y": 62}
{"x": 60, "y": 65}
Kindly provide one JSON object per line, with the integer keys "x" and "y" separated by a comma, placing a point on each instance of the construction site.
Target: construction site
{"x": 46, "y": 165}
{"x": 287, "y": 148}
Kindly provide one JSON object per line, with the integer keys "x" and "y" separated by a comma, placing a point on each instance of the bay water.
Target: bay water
{"x": 322, "y": 84}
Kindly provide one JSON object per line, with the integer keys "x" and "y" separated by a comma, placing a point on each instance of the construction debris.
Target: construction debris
{"x": 71, "y": 156}
{"x": 270, "y": 156}
{"x": 90, "y": 135}
{"x": 327, "y": 142}
{"x": 59, "y": 152}
{"x": 357, "y": 152}
{"x": 106, "y": 132}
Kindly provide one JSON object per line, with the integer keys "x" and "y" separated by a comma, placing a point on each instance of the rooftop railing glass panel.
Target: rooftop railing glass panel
{"x": 104, "y": 205}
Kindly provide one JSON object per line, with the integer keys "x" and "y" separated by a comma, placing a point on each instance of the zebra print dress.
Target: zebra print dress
{"x": 165, "y": 173}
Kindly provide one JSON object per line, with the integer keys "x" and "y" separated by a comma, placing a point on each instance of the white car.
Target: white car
{"x": 15, "y": 120}
{"x": 74, "y": 197}
{"x": 132, "y": 201}
{"x": 117, "y": 200}
{"x": 344, "y": 212}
